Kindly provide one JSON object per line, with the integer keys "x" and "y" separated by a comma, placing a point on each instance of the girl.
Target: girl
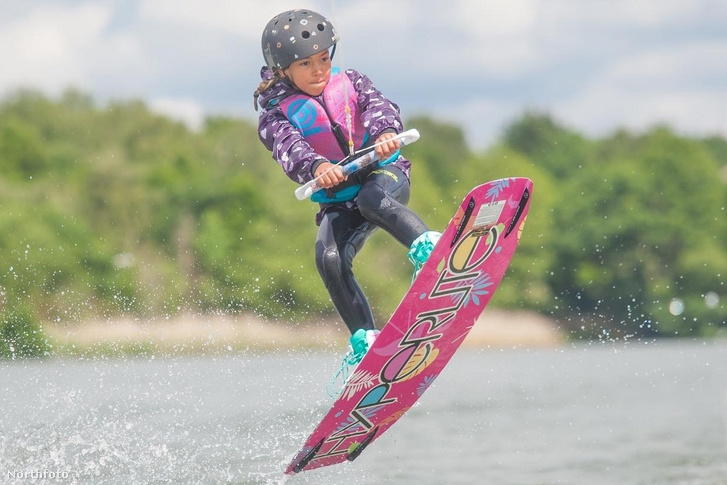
{"x": 311, "y": 118}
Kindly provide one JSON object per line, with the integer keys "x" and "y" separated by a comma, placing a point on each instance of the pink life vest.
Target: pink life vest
{"x": 311, "y": 118}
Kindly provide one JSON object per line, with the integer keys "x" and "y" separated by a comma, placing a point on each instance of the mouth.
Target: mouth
{"x": 317, "y": 86}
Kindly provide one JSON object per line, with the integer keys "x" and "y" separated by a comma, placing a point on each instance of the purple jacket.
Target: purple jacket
{"x": 288, "y": 145}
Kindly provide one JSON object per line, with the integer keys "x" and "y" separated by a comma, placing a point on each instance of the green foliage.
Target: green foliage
{"x": 718, "y": 148}
{"x": 639, "y": 222}
{"x": 116, "y": 210}
{"x": 21, "y": 336}
{"x": 552, "y": 147}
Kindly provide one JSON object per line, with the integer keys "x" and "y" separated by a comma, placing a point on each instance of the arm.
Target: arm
{"x": 289, "y": 148}
{"x": 378, "y": 113}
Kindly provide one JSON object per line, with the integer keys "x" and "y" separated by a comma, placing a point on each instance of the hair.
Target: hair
{"x": 264, "y": 85}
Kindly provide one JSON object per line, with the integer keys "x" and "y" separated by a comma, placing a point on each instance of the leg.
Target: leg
{"x": 341, "y": 235}
{"x": 382, "y": 201}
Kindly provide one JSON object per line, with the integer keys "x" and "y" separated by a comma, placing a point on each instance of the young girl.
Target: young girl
{"x": 311, "y": 118}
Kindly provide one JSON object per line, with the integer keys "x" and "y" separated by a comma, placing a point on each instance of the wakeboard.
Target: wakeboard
{"x": 434, "y": 317}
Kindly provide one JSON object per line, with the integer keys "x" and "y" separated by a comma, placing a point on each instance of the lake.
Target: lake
{"x": 627, "y": 413}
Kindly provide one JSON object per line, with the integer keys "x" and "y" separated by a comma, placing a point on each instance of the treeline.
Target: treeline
{"x": 110, "y": 210}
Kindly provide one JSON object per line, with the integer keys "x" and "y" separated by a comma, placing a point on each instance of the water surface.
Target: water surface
{"x": 643, "y": 413}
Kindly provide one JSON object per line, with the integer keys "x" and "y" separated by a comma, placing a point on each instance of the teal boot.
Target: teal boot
{"x": 358, "y": 345}
{"x": 421, "y": 249}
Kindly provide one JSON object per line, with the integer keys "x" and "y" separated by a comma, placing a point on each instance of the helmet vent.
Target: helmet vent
{"x": 296, "y": 34}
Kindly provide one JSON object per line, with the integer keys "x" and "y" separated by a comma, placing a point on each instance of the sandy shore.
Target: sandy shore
{"x": 196, "y": 334}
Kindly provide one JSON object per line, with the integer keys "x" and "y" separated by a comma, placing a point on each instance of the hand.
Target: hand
{"x": 332, "y": 178}
{"x": 386, "y": 150}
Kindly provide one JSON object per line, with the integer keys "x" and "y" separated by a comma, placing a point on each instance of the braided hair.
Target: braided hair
{"x": 264, "y": 85}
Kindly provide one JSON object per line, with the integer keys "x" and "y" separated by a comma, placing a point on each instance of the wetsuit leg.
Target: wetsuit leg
{"x": 382, "y": 201}
{"x": 341, "y": 235}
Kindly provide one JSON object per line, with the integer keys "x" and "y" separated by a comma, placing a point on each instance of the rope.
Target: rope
{"x": 349, "y": 121}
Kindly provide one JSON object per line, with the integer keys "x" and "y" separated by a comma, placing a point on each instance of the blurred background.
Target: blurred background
{"x": 161, "y": 316}
{"x": 133, "y": 186}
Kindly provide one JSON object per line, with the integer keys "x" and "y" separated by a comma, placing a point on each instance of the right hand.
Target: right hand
{"x": 330, "y": 179}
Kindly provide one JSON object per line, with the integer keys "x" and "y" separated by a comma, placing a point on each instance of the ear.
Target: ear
{"x": 281, "y": 73}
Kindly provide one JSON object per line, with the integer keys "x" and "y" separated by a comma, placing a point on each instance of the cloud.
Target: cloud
{"x": 686, "y": 65}
{"x": 47, "y": 48}
{"x": 497, "y": 37}
{"x": 481, "y": 37}
{"x": 680, "y": 86}
{"x": 482, "y": 119}
{"x": 597, "y": 65}
{"x": 52, "y": 47}
{"x": 186, "y": 110}
{"x": 241, "y": 18}
{"x": 624, "y": 15}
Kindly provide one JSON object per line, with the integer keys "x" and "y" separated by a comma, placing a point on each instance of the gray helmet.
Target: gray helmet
{"x": 296, "y": 34}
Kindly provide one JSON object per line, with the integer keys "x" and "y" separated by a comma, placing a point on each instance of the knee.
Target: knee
{"x": 371, "y": 201}
{"x": 328, "y": 261}
{"x": 332, "y": 265}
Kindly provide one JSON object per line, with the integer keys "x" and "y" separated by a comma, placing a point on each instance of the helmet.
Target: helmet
{"x": 296, "y": 34}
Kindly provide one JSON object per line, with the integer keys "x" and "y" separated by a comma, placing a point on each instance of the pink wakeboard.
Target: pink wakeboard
{"x": 428, "y": 326}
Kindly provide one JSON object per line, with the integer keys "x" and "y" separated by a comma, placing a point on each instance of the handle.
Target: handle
{"x": 406, "y": 138}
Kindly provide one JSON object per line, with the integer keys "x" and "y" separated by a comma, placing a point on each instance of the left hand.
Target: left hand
{"x": 386, "y": 150}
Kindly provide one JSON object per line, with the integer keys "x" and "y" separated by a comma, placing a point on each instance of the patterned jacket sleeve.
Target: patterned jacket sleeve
{"x": 378, "y": 114}
{"x": 290, "y": 150}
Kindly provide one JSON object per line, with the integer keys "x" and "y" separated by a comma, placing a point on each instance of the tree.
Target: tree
{"x": 637, "y": 231}
{"x": 548, "y": 144}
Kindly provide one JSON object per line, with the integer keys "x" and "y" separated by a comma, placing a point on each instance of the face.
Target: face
{"x": 311, "y": 74}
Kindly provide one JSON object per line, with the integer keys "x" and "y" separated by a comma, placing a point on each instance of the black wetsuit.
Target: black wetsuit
{"x": 381, "y": 203}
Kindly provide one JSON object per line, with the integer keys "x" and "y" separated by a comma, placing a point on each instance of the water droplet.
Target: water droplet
{"x": 676, "y": 307}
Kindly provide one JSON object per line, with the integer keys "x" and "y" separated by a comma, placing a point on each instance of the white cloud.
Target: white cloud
{"x": 493, "y": 19}
{"x": 499, "y": 37}
{"x": 604, "y": 108}
{"x": 51, "y": 48}
{"x": 186, "y": 110}
{"x": 46, "y": 49}
{"x": 469, "y": 37}
{"x": 244, "y": 18}
{"x": 596, "y": 64}
{"x": 482, "y": 119}
{"x": 683, "y": 64}
{"x": 622, "y": 14}
{"x": 681, "y": 86}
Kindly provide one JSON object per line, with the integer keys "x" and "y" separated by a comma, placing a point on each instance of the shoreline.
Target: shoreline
{"x": 199, "y": 334}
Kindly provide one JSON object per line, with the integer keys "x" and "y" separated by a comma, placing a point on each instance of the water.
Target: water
{"x": 587, "y": 414}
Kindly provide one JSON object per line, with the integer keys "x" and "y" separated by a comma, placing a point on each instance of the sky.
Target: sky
{"x": 595, "y": 65}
